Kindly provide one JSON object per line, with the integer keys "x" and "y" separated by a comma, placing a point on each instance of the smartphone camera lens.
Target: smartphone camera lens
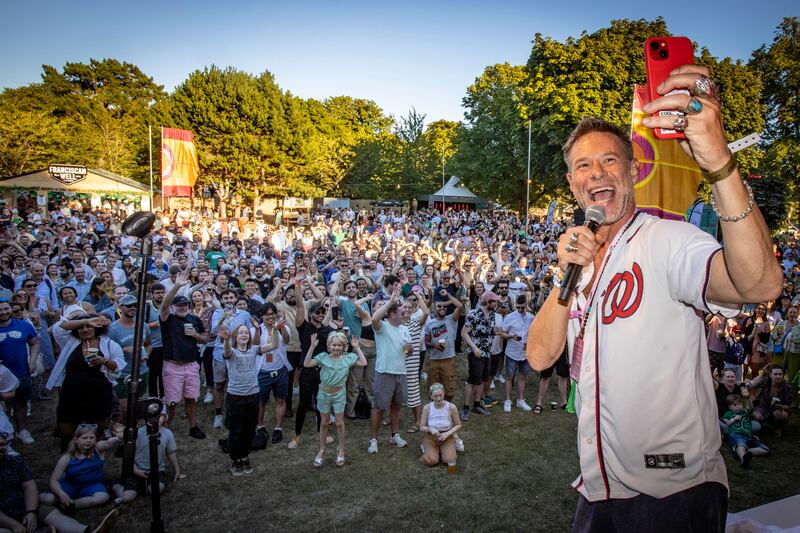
{"x": 663, "y": 54}
{"x": 654, "y": 46}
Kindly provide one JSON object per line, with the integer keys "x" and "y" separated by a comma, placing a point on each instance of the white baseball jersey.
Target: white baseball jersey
{"x": 647, "y": 417}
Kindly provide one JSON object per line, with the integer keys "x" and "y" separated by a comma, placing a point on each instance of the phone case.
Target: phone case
{"x": 662, "y": 55}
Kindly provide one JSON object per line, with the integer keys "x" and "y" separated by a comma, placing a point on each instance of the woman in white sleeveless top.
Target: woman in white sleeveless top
{"x": 439, "y": 422}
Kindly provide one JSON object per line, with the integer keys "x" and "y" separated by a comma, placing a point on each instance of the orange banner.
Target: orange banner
{"x": 668, "y": 178}
{"x": 179, "y": 168}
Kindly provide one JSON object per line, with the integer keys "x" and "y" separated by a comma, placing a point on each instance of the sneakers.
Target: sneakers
{"x": 500, "y": 378}
{"x": 746, "y": 459}
{"x": 522, "y": 404}
{"x": 507, "y": 406}
{"x": 481, "y": 410}
{"x": 217, "y": 421}
{"x": 26, "y": 437}
{"x": 398, "y": 441}
{"x": 209, "y": 398}
{"x": 373, "y": 446}
{"x": 464, "y": 415}
{"x": 319, "y": 458}
{"x": 340, "y": 457}
{"x": 277, "y": 435}
{"x": 197, "y": 433}
{"x": 294, "y": 443}
{"x": 236, "y": 468}
{"x": 459, "y": 444}
{"x": 247, "y": 468}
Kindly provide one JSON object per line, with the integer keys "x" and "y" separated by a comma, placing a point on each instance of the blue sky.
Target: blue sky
{"x": 399, "y": 54}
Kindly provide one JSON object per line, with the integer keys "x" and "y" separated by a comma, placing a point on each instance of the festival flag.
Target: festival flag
{"x": 551, "y": 212}
{"x": 179, "y": 167}
{"x": 668, "y": 178}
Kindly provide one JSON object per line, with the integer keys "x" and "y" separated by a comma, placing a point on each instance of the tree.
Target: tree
{"x": 779, "y": 67}
{"x": 107, "y": 102}
{"x": 492, "y": 145}
{"x": 594, "y": 76}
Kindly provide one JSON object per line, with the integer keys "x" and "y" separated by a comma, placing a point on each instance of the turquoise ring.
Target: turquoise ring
{"x": 694, "y": 107}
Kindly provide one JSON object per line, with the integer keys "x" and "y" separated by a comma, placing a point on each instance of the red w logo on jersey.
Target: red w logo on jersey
{"x": 623, "y": 295}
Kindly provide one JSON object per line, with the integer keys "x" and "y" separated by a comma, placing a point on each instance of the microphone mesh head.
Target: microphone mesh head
{"x": 596, "y": 213}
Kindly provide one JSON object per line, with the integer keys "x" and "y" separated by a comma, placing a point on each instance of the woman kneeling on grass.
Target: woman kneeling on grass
{"x": 77, "y": 481}
{"x": 243, "y": 362}
{"x": 334, "y": 368}
{"x": 439, "y": 422}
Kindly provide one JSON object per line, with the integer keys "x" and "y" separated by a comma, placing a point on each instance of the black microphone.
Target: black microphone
{"x": 595, "y": 216}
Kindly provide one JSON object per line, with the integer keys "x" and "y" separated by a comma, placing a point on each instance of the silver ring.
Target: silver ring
{"x": 571, "y": 248}
{"x": 694, "y": 106}
{"x": 704, "y": 87}
{"x": 680, "y": 123}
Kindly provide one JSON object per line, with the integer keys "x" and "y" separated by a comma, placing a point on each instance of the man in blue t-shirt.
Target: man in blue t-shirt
{"x": 19, "y": 347}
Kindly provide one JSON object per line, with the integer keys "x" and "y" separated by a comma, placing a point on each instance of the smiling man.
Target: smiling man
{"x": 648, "y": 436}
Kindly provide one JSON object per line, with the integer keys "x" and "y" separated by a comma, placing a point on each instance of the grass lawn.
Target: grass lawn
{"x": 515, "y": 475}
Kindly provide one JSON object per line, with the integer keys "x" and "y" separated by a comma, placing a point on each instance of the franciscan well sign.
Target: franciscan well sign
{"x": 67, "y": 174}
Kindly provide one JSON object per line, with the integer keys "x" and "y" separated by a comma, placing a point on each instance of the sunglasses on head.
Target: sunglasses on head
{"x": 91, "y": 427}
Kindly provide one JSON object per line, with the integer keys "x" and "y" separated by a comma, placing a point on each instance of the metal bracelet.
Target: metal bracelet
{"x": 743, "y": 214}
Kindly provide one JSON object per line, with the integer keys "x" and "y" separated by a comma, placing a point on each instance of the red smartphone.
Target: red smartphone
{"x": 662, "y": 55}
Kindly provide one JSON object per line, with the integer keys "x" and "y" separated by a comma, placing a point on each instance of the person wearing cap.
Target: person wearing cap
{"x": 121, "y": 331}
{"x": 181, "y": 333}
{"x": 479, "y": 330}
{"x": 735, "y": 350}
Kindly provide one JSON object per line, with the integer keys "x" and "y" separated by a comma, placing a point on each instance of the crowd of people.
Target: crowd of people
{"x": 264, "y": 322}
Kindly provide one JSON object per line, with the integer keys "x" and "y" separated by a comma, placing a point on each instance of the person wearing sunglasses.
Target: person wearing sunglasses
{"x": 85, "y": 372}
{"x": 20, "y": 510}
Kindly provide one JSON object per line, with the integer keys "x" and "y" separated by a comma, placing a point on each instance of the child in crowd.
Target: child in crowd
{"x": 740, "y": 434}
{"x": 167, "y": 449}
{"x": 736, "y": 351}
{"x": 243, "y": 361}
{"x": 334, "y": 368}
{"x": 77, "y": 481}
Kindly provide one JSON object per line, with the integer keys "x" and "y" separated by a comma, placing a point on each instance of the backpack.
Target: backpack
{"x": 363, "y": 407}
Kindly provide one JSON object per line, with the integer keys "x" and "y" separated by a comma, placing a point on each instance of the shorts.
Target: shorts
{"x": 514, "y": 367}
{"x": 388, "y": 390}
{"x": 497, "y": 361}
{"x": 181, "y": 381}
{"x": 82, "y": 492}
{"x": 220, "y": 371}
{"x": 122, "y": 386}
{"x": 24, "y": 391}
{"x": 478, "y": 371}
{"x": 275, "y": 381}
{"x": 737, "y": 439}
{"x": 142, "y": 485}
{"x": 443, "y": 371}
{"x": 331, "y": 403}
{"x": 561, "y": 367}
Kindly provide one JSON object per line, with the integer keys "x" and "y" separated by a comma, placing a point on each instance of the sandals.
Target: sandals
{"x": 318, "y": 459}
{"x": 339, "y": 457}
{"x": 413, "y": 429}
{"x": 537, "y": 409}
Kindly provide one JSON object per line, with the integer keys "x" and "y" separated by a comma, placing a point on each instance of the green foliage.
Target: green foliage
{"x": 779, "y": 67}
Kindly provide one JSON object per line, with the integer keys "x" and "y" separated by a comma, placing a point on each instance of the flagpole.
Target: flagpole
{"x": 528, "y": 188}
{"x": 150, "y": 145}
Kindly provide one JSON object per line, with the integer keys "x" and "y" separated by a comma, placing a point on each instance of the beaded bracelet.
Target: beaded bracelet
{"x": 743, "y": 214}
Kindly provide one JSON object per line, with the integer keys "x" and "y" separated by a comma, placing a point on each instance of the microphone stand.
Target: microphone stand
{"x": 137, "y": 225}
{"x": 152, "y": 410}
